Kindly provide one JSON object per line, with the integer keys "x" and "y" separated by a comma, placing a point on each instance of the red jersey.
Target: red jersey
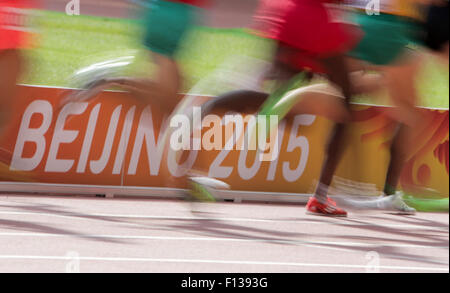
{"x": 306, "y": 26}
{"x": 14, "y": 32}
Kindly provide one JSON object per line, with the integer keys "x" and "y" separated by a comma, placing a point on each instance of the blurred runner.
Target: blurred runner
{"x": 309, "y": 42}
{"x": 303, "y": 43}
{"x": 14, "y": 36}
{"x": 387, "y": 35}
{"x": 165, "y": 24}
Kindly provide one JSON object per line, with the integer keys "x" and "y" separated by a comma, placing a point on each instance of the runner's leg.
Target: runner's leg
{"x": 11, "y": 64}
{"x": 339, "y": 75}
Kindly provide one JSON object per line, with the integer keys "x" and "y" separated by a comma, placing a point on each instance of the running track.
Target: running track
{"x": 86, "y": 234}
{"x": 56, "y": 234}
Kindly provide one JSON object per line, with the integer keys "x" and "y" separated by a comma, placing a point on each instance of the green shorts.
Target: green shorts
{"x": 165, "y": 24}
{"x": 385, "y": 38}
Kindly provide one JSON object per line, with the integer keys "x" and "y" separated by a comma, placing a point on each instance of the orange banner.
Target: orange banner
{"x": 113, "y": 140}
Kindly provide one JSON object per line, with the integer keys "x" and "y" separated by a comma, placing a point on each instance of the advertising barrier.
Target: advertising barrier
{"x": 111, "y": 143}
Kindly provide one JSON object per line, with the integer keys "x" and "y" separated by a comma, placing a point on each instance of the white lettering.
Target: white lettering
{"x": 35, "y": 135}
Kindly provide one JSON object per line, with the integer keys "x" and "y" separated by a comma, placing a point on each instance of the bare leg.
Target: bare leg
{"x": 338, "y": 74}
{"x": 320, "y": 99}
{"x": 10, "y": 69}
{"x": 403, "y": 93}
{"x": 362, "y": 81}
{"x": 443, "y": 55}
{"x": 164, "y": 88}
{"x": 169, "y": 79}
{"x": 367, "y": 83}
{"x": 399, "y": 152}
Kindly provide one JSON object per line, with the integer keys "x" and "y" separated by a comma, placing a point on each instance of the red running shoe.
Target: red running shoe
{"x": 330, "y": 209}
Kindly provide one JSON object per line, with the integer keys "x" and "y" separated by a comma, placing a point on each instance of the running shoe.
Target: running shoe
{"x": 198, "y": 191}
{"x": 398, "y": 204}
{"x": 330, "y": 209}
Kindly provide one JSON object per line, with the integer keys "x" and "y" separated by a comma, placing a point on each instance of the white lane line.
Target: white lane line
{"x": 90, "y": 217}
{"x": 333, "y": 246}
{"x": 223, "y": 239}
{"x": 208, "y": 261}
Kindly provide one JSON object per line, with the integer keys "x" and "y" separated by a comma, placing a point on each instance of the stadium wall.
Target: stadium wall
{"x": 110, "y": 146}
